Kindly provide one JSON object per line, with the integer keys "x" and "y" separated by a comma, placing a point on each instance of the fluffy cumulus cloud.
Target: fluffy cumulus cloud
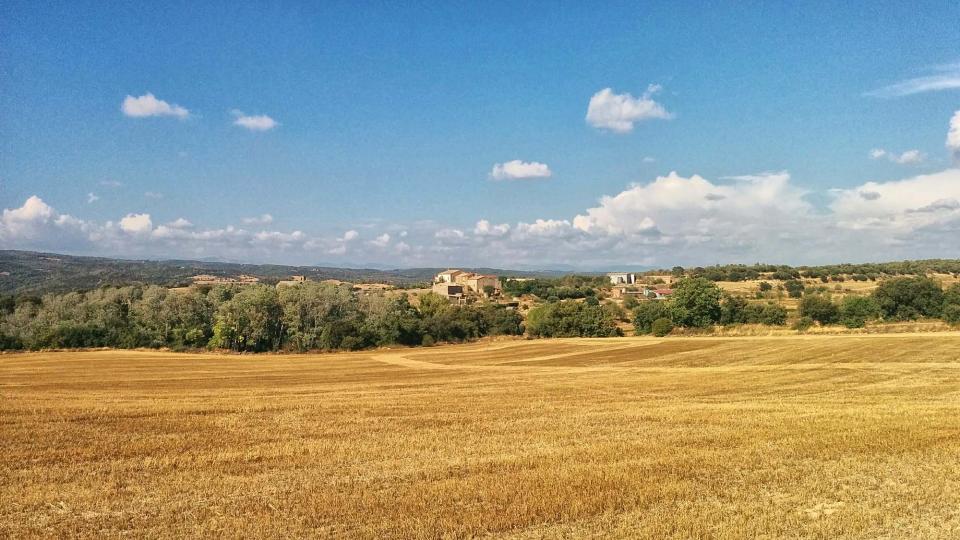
{"x": 148, "y": 105}
{"x": 136, "y": 224}
{"x": 519, "y": 170}
{"x": 37, "y": 225}
{"x": 953, "y": 137}
{"x": 381, "y": 241}
{"x": 909, "y": 157}
{"x": 901, "y": 207}
{"x": 619, "y": 112}
{"x": 485, "y": 228}
{"x": 260, "y": 122}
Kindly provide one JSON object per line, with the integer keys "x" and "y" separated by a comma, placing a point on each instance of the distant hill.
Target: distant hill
{"x": 23, "y": 272}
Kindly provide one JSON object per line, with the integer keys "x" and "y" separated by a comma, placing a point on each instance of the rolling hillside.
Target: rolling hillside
{"x": 28, "y": 272}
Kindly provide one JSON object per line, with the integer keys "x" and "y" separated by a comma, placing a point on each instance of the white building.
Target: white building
{"x": 622, "y": 278}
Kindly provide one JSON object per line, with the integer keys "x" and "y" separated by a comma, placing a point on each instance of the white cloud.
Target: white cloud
{"x": 136, "y": 224}
{"x": 36, "y": 225}
{"x": 148, "y": 105}
{"x": 92, "y": 198}
{"x": 619, "y": 112}
{"x": 953, "y": 137}
{"x": 449, "y": 234}
{"x": 910, "y": 157}
{"x": 649, "y": 159}
{"x": 485, "y": 228}
{"x": 672, "y": 219}
{"x": 262, "y": 219}
{"x": 380, "y": 241}
{"x": 153, "y": 195}
{"x": 111, "y": 183}
{"x": 254, "y": 122}
{"x": 518, "y": 170}
{"x": 945, "y": 77}
{"x": 900, "y": 206}
{"x": 180, "y": 223}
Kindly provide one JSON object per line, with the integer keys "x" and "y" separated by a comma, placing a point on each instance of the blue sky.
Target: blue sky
{"x": 390, "y": 121}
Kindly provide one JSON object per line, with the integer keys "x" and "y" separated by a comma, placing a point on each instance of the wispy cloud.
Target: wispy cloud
{"x": 92, "y": 198}
{"x": 944, "y": 77}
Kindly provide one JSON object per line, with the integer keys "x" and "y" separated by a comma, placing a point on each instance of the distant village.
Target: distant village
{"x": 463, "y": 287}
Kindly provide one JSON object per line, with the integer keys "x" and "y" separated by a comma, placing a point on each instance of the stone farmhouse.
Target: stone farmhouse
{"x": 457, "y": 284}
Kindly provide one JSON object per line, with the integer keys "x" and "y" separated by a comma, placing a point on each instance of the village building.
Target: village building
{"x": 622, "y": 278}
{"x": 293, "y": 281}
{"x": 469, "y": 282}
{"x": 207, "y": 279}
{"x": 644, "y": 293}
{"x": 448, "y": 276}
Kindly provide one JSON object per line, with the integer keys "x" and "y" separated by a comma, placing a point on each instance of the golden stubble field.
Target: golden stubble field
{"x": 784, "y": 437}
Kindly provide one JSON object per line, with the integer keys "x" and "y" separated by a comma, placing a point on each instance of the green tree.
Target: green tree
{"x": 695, "y": 303}
{"x": 249, "y": 321}
{"x": 909, "y": 298}
{"x": 855, "y": 311}
{"x": 794, "y": 287}
{"x": 733, "y": 310}
{"x": 570, "y": 319}
{"x": 951, "y": 304}
{"x": 819, "y": 308}
{"x": 662, "y": 327}
{"x": 646, "y": 313}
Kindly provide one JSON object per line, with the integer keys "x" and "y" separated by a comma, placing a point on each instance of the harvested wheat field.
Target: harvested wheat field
{"x": 783, "y": 437}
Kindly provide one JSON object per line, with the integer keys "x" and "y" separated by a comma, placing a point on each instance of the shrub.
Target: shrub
{"x": 772, "y": 314}
{"x": 951, "y": 313}
{"x": 794, "y": 288}
{"x": 951, "y": 304}
{"x": 648, "y": 312}
{"x": 662, "y": 326}
{"x": 802, "y": 324}
{"x": 733, "y": 310}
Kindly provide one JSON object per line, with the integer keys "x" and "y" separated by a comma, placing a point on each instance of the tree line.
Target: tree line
{"x": 311, "y": 316}
{"x": 699, "y": 303}
{"x": 898, "y": 299}
{"x": 833, "y": 272}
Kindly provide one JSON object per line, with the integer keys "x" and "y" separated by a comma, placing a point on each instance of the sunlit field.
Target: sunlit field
{"x": 779, "y": 437}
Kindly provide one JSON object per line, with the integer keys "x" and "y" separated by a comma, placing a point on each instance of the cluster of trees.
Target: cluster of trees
{"x": 553, "y": 289}
{"x": 698, "y": 303}
{"x": 574, "y": 319}
{"x": 899, "y": 299}
{"x": 835, "y": 272}
{"x": 312, "y": 316}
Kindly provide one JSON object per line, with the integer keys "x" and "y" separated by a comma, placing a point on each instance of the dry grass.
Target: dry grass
{"x": 781, "y": 437}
